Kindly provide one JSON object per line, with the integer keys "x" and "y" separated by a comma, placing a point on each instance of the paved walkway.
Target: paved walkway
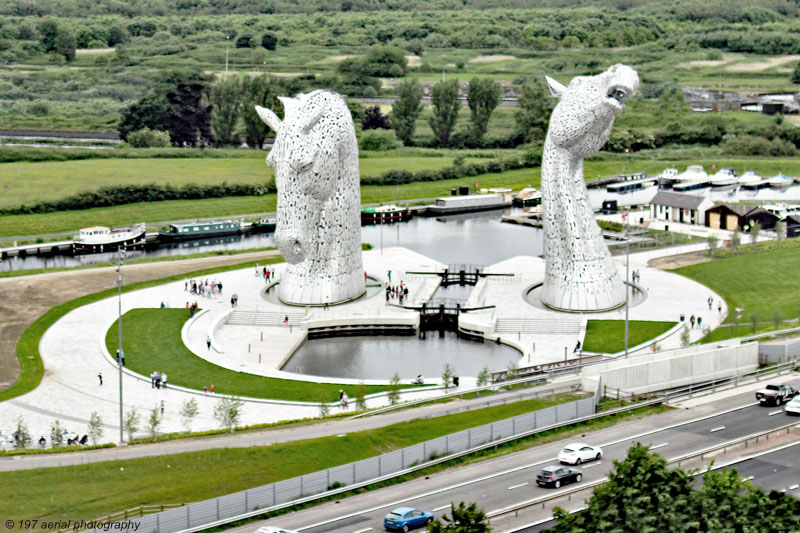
{"x": 73, "y": 349}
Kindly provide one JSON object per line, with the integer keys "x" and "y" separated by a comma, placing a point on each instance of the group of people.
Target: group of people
{"x": 158, "y": 380}
{"x": 192, "y": 308}
{"x": 397, "y": 291}
{"x": 343, "y": 399}
{"x": 711, "y": 304}
{"x": 635, "y": 276}
{"x": 265, "y": 273}
{"x": 696, "y": 320}
{"x": 206, "y": 389}
{"x": 204, "y": 288}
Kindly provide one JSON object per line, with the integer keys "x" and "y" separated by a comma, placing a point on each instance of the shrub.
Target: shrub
{"x": 147, "y": 138}
{"x": 378, "y": 140}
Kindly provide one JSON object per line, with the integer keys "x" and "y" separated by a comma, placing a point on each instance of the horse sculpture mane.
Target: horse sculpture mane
{"x": 580, "y": 274}
{"x": 315, "y": 158}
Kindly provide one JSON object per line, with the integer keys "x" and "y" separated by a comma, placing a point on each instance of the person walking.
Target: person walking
{"x": 162, "y": 407}
{"x": 164, "y": 380}
{"x": 100, "y": 377}
{"x": 208, "y": 342}
{"x": 699, "y": 322}
{"x": 691, "y": 321}
{"x": 710, "y": 302}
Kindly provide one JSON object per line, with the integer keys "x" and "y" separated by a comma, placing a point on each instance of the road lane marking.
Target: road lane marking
{"x": 794, "y": 487}
{"x": 657, "y": 446}
{"x": 363, "y": 530}
{"x": 517, "y": 486}
{"x": 773, "y": 413}
{"x": 717, "y": 429}
{"x": 442, "y": 508}
{"x": 593, "y": 464}
{"x": 749, "y": 478}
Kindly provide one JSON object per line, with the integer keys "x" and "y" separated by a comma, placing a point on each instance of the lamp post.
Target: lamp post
{"x": 627, "y": 269}
{"x": 120, "y": 353}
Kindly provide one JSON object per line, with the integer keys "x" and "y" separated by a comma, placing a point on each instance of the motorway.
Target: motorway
{"x": 502, "y": 482}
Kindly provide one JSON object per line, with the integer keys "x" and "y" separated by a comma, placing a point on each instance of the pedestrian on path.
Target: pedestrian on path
{"x": 719, "y": 307}
{"x": 710, "y": 302}
{"x": 699, "y": 322}
{"x": 100, "y": 377}
{"x": 208, "y": 342}
{"x": 153, "y": 380}
{"x": 164, "y": 380}
{"x": 212, "y": 388}
{"x": 162, "y": 407}
{"x": 691, "y": 320}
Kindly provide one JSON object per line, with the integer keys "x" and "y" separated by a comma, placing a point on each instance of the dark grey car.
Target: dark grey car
{"x": 557, "y": 475}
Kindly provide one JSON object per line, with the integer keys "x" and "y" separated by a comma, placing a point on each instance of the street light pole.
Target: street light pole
{"x": 120, "y": 353}
{"x": 627, "y": 268}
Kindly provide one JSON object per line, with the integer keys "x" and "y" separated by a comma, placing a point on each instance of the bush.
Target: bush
{"x": 378, "y": 141}
{"x": 147, "y": 138}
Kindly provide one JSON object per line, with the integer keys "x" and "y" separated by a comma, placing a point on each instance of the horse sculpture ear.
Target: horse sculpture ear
{"x": 269, "y": 118}
{"x": 556, "y": 88}
{"x": 312, "y": 119}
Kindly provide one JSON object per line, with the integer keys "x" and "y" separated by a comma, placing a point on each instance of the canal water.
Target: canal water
{"x": 479, "y": 238}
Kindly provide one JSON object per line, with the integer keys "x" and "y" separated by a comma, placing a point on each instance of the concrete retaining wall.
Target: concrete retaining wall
{"x": 677, "y": 368}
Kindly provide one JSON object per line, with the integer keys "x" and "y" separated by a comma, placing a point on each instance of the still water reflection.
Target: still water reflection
{"x": 381, "y": 357}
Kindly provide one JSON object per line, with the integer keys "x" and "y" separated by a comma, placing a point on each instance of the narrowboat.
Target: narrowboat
{"x": 102, "y": 239}
{"x": 265, "y": 225}
{"x": 621, "y": 187}
{"x": 385, "y": 214}
{"x": 527, "y": 197}
{"x": 200, "y": 230}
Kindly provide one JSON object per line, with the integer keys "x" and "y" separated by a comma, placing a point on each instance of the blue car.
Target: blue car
{"x": 405, "y": 518}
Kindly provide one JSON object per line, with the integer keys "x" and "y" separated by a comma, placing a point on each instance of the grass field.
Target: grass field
{"x": 27, "y": 183}
{"x": 608, "y": 336}
{"x": 760, "y": 284}
{"x": 38, "y": 224}
{"x": 152, "y": 340}
{"x": 50, "y": 493}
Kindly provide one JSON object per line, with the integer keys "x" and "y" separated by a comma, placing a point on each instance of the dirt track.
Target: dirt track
{"x": 24, "y": 299}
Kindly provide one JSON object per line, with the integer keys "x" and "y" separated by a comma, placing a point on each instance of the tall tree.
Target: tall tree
{"x": 533, "y": 115}
{"x": 406, "y": 110}
{"x": 48, "y": 29}
{"x": 483, "y": 97}
{"x": 226, "y": 97}
{"x": 177, "y": 104}
{"x": 65, "y": 44}
{"x": 466, "y": 519}
{"x": 375, "y": 120}
{"x": 264, "y": 91}
{"x": 445, "y": 111}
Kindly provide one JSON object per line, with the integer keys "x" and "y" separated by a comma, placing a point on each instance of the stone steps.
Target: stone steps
{"x": 537, "y": 326}
{"x": 262, "y": 318}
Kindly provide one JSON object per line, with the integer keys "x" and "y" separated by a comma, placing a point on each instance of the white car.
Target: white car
{"x": 793, "y": 407}
{"x": 272, "y": 529}
{"x": 576, "y": 453}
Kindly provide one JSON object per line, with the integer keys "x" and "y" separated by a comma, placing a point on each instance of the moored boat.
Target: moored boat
{"x": 725, "y": 178}
{"x": 265, "y": 225}
{"x": 199, "y": 230}
{"x": 780, "y": 182}
{"x": 385, "y": 214}
{"x": 102, "y": 239}
{"x": 527, "y": 197}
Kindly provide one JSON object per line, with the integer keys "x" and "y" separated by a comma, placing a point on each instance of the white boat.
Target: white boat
{"x": 782, "y": 210}
{"x": 667, "y": 178}
{"x": 780, "y": 182}
{"x": 692, "y": 173}
{"x": 103, "y": 239}
{"x": 723, "y": 179}
{"x": 750, "y": 177}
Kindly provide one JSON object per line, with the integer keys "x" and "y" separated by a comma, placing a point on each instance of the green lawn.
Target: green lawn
{"x": 761, "y": 284}
{"x": 152, "y": 341}
{"x": 608, "y": 336}
{"x": 27, "y": 183}
{"x": 93, "y": 490}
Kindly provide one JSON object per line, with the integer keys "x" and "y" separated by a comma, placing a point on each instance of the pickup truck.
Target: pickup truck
{"x": 775, "y": 394}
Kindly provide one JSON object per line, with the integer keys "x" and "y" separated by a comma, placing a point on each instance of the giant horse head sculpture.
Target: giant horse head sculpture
{"x": 315, "y": 158}
{"x": 580, "y": 274}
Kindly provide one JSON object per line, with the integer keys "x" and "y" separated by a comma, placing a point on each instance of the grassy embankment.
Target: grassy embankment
{"x": 608, "y": 336}
{"x": 761, "y": 283}
{"x": 152, "y": 341}
{"x": 49, "y": 493}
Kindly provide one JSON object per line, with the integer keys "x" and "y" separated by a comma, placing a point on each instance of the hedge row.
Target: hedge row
{"x": 394, "y": 177}
{"x": 131, "y": 194}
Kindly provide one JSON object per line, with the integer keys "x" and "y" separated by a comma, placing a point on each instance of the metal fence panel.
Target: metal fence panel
{"x": 316, "y": 482}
